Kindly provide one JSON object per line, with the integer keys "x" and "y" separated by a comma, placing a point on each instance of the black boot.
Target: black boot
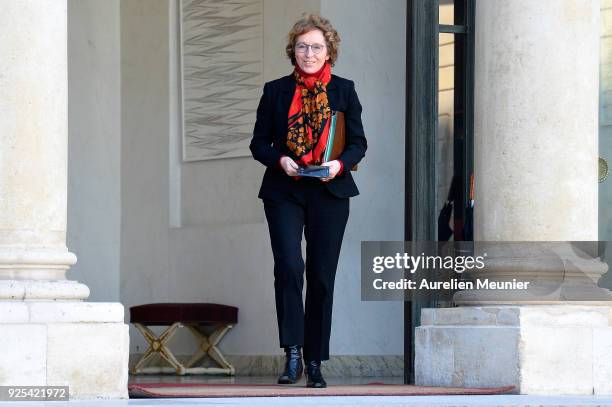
{"x": 313, "y": 372}
{"x": 293, "y": 365}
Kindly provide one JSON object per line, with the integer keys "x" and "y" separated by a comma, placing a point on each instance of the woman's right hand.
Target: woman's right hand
{"x": 289, "y": 166}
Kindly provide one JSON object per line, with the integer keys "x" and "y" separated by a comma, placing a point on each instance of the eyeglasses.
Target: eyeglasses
{"x": 301, "y": 48}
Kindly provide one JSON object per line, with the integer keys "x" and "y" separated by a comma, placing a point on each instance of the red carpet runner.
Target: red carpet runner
{"x": 162, "y": 390}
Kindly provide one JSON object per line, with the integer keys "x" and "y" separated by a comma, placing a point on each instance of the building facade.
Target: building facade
{"x": 95, "y": 168}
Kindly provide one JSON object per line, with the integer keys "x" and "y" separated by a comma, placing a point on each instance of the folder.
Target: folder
{"x": 336, "y": 139}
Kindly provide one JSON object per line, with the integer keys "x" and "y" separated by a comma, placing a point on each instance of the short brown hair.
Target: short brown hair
{"x": 310, "y": 22}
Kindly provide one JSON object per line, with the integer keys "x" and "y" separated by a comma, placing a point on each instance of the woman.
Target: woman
{"x": 291, "y": 130}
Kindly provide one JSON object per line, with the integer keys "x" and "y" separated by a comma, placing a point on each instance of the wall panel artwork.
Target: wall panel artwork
{"x": 222, "y": 52}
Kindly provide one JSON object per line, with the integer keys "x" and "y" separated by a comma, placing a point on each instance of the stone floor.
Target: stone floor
{"x": 254, "y": 379}
{"x": 434, "y": 401}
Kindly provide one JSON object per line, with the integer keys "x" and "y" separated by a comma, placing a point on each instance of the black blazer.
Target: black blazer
{"x": 270, "y": 134}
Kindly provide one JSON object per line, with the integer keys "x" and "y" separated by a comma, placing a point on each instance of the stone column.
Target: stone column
{"x": 49, "y": 335}
{"x": 33, "y": 153}
{"x": 536, "y": 120}
{"x": 536, "y": 145}
{"x": 536, "y": 138}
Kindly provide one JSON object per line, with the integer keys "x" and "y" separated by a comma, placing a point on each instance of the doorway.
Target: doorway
{"x": 439, "y": 135}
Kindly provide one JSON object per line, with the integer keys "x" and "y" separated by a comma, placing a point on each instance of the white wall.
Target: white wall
{"x": 373, "y": 54}
{"x": 145, "y": 249}
{"x": 196, "y": 231}
{"x": 94, "y": 141}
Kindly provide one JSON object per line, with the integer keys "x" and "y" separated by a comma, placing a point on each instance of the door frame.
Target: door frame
{"x": 420, "y": 217}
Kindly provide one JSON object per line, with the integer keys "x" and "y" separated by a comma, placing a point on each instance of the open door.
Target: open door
{"x": 439, "y": 133}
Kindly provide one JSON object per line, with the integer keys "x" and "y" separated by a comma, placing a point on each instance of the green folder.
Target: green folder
{"x": 330, "y": 138}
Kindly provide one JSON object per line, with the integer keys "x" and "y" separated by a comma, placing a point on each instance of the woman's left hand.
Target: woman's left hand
{"x": 334, "y": 168}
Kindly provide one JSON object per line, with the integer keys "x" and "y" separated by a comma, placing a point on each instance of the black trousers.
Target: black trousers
{"x": 310, "y": 208}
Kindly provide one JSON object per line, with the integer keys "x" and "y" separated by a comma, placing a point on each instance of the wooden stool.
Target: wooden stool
{"x": 194, "y": 316}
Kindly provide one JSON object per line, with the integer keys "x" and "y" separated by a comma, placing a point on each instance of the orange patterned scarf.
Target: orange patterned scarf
{"x": 309, "y": 115}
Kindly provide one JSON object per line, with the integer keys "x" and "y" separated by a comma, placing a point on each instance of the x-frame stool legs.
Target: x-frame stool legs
{"x": 207, "y": 346}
